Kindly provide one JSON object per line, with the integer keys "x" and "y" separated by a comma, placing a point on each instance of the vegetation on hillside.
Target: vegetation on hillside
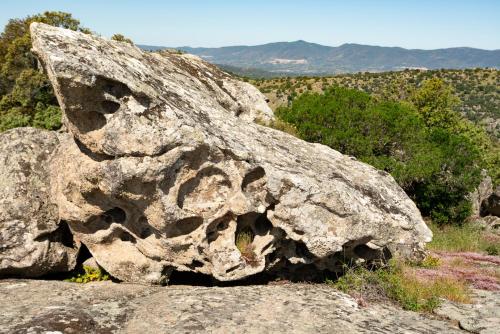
{"x": 434, "y": 154}
{"x": 399, "y": 282}
{"x": 26, "y": 94}
{"x": 477, "y": 89}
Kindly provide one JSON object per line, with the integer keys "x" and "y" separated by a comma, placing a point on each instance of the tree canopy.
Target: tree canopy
{"x": 421, "y": 143}
{"x": 26, "y": 95}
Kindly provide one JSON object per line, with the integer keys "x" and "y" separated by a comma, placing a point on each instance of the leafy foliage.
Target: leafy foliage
{"x": 26, "y": 95}
{"x": 89, "y": 274}
{"x": 121, "y": 38}
{"x": 428, "y": 155}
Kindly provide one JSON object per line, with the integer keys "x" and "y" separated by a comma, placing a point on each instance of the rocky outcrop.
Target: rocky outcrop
{"x": 486, "y": 205}
{"x": 163, "y": 171}
{"x": 480, "y": 194}
{"x": 105, "y": 307}
{"x": 33, "y": 241}
{"x": 491, "y": 204}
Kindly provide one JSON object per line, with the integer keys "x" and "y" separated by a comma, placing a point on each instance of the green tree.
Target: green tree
{"x": 436, "y": 103}
{"x": 26, "y": 95}
{"x": 436, "y": 166}
{"x": 121, "y": 38}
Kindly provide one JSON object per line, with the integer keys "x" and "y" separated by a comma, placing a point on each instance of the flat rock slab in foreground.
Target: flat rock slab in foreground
{"x": 30, "y": 306}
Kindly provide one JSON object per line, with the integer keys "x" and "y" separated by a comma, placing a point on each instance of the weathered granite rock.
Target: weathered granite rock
{"x": 491, "y": 205}
{"x": 163, "y": 172}
{"x": 33, "y": 241}
{"x": 105, "y": 307}
{"x": 481, "y": 193}
{"x": 482, "y": 316}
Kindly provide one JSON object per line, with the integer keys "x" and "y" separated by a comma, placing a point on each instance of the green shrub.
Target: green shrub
{"x": 436, "y": 166}
{"x": 26, "y": 95}
{"x": 89, "y": 274}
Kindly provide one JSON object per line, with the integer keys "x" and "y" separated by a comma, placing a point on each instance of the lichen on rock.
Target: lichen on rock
{"x": 33, "y": 241}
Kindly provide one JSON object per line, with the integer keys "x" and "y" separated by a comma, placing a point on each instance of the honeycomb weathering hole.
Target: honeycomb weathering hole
{"x": 115, "y": 215}
{"x": 109, "y": 107}
{"x": 252, "y": 177}
{"x": 206, "y": 191}
{"x": 183, "y": 226}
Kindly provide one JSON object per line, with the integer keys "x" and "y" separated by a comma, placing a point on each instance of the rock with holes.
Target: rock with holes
{"x": 491, "y": 205}
{"x": 33, "y": 241}
{"x": 163, "y": 172}
{"x": 480, "y": 194}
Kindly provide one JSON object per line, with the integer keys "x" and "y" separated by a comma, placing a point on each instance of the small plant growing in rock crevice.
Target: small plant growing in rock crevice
{"x": 89, "y": 274}
{"x": 244, "y": 239}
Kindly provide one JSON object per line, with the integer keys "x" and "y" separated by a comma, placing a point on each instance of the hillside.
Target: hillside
{"x": 477, "y": 89}
{"x": 301, "y": 57}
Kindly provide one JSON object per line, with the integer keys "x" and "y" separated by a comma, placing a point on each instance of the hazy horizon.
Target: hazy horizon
{"x": 424, "y": 25}
{"x": 299, "y": 40}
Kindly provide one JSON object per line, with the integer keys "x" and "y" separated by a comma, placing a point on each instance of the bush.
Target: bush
{"x": 435, "y": 165}
{"x": 26, "y": 95}
{"x": 89, "y": 274}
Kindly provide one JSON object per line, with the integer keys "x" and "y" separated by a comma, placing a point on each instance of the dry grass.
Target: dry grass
{"x": 244, "y": 240}
{"x": 401, "y": 283}
{"x": 466, "y": 238}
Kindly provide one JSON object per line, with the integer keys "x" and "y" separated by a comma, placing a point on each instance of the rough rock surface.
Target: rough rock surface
{"x": 482, "y": 316}
{"x": 33, "y": 241}
{"x": 105, "y": 307}
{"x": 491, "y": 205}
{"x": 481, "y": 193}
{"x": 161, "y": 172}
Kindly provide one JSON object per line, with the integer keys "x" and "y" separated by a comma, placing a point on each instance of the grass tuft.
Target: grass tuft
{"x": 399, "y": 282}
{"x": 465, "y": 238}
{"x": 430, "y": 262}
{"x": 244, "y": 239}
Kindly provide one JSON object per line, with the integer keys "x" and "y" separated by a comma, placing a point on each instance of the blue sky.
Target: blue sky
{"x": 408, "y": 23}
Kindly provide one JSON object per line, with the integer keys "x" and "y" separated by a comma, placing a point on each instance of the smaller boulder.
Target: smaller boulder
{"x": 481, "y": 193}
{"x": 91, "y": 263}
{"x": 491, "y": 205}
{"x": 33, "y": 242}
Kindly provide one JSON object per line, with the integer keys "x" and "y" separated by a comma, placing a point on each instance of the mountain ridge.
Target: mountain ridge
{"x": 302, "y": 57}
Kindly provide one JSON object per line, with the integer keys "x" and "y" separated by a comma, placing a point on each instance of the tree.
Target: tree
{"x": 121, "y": 38}
{"x": 26, "y": 95}
{"x": 435, "y": 165}
{"x": 437, "y": 103}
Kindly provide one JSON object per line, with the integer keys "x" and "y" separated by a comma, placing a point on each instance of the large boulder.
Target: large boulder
{"x": 164, "y": 171}
{"x": 33, "y": 241}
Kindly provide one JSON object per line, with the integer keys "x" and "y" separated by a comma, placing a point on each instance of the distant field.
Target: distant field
{"x": 478, "y": 89}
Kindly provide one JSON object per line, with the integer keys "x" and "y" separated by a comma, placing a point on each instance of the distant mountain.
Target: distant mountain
{"x": 302, "y": 57}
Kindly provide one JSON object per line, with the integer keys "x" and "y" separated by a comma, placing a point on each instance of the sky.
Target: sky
{"x": 414, "y": 24}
